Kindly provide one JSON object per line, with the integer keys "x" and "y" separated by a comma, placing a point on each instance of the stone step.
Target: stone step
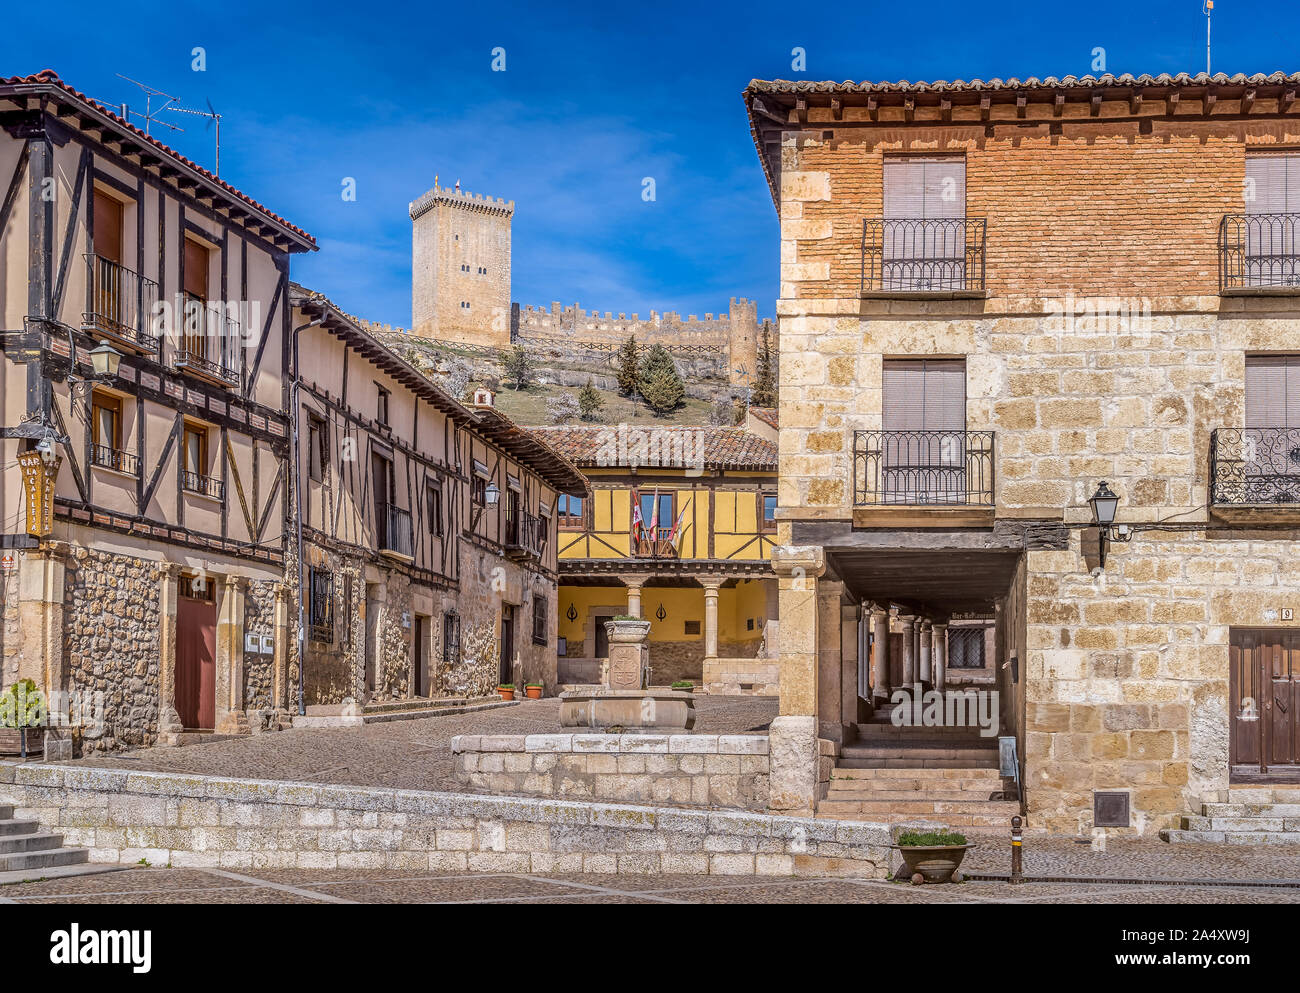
{"x": 955, "y": 730}
{"x": 1269, "y": 824}
{"x": 41, "y": 859}
{"x": 1264, "y": 794}
{"x": 896, "y": 797}
{"x": 913, "y": 760}
{"x": 928, "y": 808}
{"x": 885, "y": 775}
{"x": 1230, "y": 837}
{"x": 39, "y": 841}
{"x": 899, "y": 785}
{"x": 487, "y": 703}
{"x": 11, "y": 827}
{"x": 1251, "y": 809}
{"x": 926, "y": 745}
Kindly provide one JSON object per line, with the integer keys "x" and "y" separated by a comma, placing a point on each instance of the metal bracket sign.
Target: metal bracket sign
{"x": 38, "y": 484}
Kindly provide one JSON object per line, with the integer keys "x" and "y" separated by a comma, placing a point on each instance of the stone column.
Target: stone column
{"x": 284, "y": 699}
{"x": 940, "y": 654}
{"x": 169, "y": 720}
{"x": 711, "y": 620}
{"x": 925, "y": 674}
{"x": 792, "y": 737}
{"x": 909, "y": 649}
{"x": 41, "y": 574}
{"x": 848, "y": 664}
{"x": 880, "y": 655}
{"x": 634, "y": 584}
{"x": 230, "y": 716}
{"x": 830, "y": 594}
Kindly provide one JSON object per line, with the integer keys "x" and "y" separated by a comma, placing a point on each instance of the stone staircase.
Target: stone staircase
{"x": 1250, "y": 816}
{"x": 901, "y": 774}
{"x": 25, "y": 848}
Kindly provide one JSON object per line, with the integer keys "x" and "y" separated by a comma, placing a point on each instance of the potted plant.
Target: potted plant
{"x": 22, "y": 712}
{"x": 932, "y": 856}
{"x": 533, "y": 691}
{"x": 684, "y": 686}
{"x": 507, "y": 691}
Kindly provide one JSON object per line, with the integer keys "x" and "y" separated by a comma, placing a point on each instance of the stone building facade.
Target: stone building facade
{"x": 1082, "y": 280}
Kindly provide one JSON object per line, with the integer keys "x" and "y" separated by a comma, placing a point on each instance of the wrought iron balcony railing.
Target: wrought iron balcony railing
{"x": 1254, "y": 466}
{"x": 923, "y": 255}
{"x": 525, "y": 534}
{"x": 111, "y": 458}
{"x": 209, "y": 486}
{"x": 655, "y": 543}
{"x": 394, "y": 527}
{"x": 120, "y": 304}
{"x": 1259, "y": 252}
{"x": 923, "y": 468}
{"x": 208, "y": 343}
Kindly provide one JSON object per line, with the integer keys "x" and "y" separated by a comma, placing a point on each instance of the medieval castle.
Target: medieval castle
{"x": 460, "y": 292}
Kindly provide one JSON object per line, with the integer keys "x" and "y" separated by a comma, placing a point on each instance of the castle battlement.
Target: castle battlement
{"x": 460, "y": 198}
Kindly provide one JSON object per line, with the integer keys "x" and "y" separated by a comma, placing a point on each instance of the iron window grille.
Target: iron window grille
{"x": 110, "y": 458}
{"x": 922, "y": 255}
{"x": 321, "y": 605}
{"x": 120, "y": 302}
{"x": 923, "y": 468}
{"x": 1259, "y": 251}
{"x": 541, "y": 617}
{"x": 1253, "y": 466}
{"x": 450, "y": 638}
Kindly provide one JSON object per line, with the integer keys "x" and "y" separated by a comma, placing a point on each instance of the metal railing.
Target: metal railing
{"x": 120, "y": 303}
{"x": 395, "y": 532}
{"x": 923, "y": 468}
{"x": 208, "y": 341}
{"x": 526, "y": 533}
{"x": 111, "y": 458}
{"x": 654, "y": 543}
{"x": 1258, "y": 251}
{"x": 195, "y": 482}
{"x": 1253, "y": 466}
{"x": 922, "y": 255}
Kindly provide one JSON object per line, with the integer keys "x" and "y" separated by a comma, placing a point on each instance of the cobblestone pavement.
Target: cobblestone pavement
{"x": 409, "y": 754}
{"x": 160, "y": 885}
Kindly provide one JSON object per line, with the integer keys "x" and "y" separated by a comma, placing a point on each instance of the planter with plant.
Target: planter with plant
{"x": 22, "y": 714}
{"x": 684, "y": 686}
{"x": 507, "y": 691}
{"x": 533, "y": 691}
{"x": 932, "y": 856}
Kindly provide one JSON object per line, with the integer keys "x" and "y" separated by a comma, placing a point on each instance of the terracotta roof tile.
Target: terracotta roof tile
{"x": 665, "y": 447}
{"x": 50, "y": 77}
{"x": 767, "y": 415}
{"x": 1029, "y": 83}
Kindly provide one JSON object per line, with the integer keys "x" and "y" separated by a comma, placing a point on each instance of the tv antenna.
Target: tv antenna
{"x": 1207, "y": 8}
{"x": 213, "y": 118}
{"x": 151, "y": 93}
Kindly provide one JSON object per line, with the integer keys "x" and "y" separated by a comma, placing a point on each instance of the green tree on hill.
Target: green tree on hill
{"x": 661, "y": 386}
{"x": 629, "y": 369}
{"x": 518, "y": 366}
{"x": 764, "y": 394}
{"x": 590, "y": 401}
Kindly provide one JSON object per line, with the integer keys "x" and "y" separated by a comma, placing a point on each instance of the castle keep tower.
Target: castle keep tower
{"x": 460, "y": 266}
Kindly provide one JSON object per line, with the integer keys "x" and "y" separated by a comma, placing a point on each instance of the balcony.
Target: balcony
{"x": 525, "y": 536}
{"x": 121, "y": 302}
{"x": 208, "y": 486}
{"x": 1259, "y": 254}
{"x": 394, "y": 533}
{"x": 654, "y": 543}
{"x": 209, "y": 343}
{"x": 930, "y": 258}
{"x": 111, "y": 458}
{"x": 1255, "y": 474}
{"x": 923, "y": 478}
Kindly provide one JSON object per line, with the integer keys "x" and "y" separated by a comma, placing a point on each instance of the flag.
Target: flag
{"x": 676, "y": 536}
{"x": 654, "y": 515}
{"x": 638, "y": 521}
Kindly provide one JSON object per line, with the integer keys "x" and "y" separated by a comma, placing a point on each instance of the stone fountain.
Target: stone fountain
{"x": 624, "y": 700}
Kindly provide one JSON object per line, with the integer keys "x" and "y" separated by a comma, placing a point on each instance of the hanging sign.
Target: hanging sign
{"x": 38, "y": 484}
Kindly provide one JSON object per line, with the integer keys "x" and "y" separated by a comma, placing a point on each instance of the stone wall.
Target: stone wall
{"x": 123, "y": 816}
{"x": 692, "y": 769}
{"x": 111, "y": 629}
{"x": 259, "y": 668}
{"x": 742, "y": 677}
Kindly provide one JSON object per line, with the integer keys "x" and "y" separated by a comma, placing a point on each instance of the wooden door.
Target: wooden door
{"x": 381, "y": 481}
{"x": 1264, "y": 688}
{"x": 196, "y": 656}
{"x": 421, "y": 655}
{"x": 507, "y": 642}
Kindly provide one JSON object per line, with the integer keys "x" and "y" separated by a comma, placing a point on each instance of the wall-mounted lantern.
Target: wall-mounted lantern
{"x": 492, "y": 495}
{"x": 1104, "y": 503}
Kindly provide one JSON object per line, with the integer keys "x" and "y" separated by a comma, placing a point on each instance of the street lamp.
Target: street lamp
{"x": 1104, "y": 503}
{"x": 492, "y": 494}
{"x": 105, "y": 359}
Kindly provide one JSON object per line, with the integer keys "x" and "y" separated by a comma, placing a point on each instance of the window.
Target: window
{"x": 450, "y": 638}
{"x": 381, "y": 404}
{"x": 1273, "y": 184}
{"x": 108, "y": 227}
{"x": 317, "y": 447}
{"x": 196, "y": 450}
{"x": 966, "y": 647}
{"x": 924, "y": 187}
{"x": 541, "y": 618}
{"x": 478, "y": 484}
{"x": 767, "y": 505}
{"x": 691, "y": 627}
{"x": 665, "y": 518}
{"x": 570, "y": 511}
{"x": 347, "y": 610}
{"x": 924, "y": 395}
{"x": 106, "y": 421}
{"x": 194, "y": 342}
{"x": 433, "y": 498}
{"x": 321, "y": 604}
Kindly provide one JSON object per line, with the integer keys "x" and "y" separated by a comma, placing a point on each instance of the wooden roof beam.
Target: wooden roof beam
{"x": 873, "y": 108}
{"x": 986, "y": 102}
{"x": 945, "y": 109}
{"x": 1247, "y": 100}
{"x": 909, "y": 108}
{"x": 837, "y": 109}
{"x": 1095, "y": 109}
{"x": 1171, "y": 102}
{"x": 1021, "y": 100}
{"x": 1211, "y": 98}
{"x": 1286, "y": 100}
{"x": 1134, "y": 101}
{"x": 1058, "y": 103}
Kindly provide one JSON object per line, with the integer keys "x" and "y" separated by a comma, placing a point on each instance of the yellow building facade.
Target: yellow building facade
{"x": 677, "y": 529}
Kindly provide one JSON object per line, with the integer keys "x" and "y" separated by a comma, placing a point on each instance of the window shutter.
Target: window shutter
{"x": 924, "y": 395}
{"x": 1272, "y": 391}
{"x": 904, "y": 188}
{"x": 945, "y": 188}
{"x": 1269, "y": 176}
{"x": 925, "y": 187}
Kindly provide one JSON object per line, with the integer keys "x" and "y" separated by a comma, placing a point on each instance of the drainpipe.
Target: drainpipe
{"x": 297, "y": 468}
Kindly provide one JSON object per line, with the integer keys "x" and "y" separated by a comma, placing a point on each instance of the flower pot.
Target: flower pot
{"x": 933, "y": 863}
{"x": 533, "y": 692}
{"x": 505, "y": 693}
{"x": 11, "y": 743}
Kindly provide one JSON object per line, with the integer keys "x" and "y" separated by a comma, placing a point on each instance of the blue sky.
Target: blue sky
{"x": 593, "y": 100}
